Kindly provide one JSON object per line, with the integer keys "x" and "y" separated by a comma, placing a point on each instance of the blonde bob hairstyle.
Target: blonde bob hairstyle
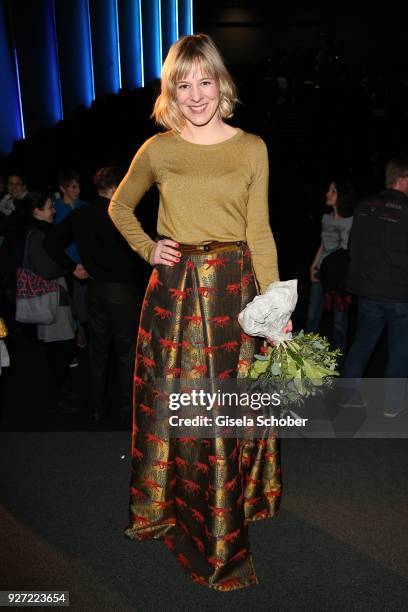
{"x": 183, "y": 55}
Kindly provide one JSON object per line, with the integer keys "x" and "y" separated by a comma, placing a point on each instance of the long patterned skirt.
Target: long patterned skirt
{"x": 199, "y": 494}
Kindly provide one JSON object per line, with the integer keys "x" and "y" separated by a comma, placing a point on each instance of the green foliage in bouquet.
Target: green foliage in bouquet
{"x": 298, "y": 368}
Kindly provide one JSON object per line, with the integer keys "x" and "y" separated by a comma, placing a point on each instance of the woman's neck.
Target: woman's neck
{"x": 69, "y": 201}
{"x": 212, "y": 133}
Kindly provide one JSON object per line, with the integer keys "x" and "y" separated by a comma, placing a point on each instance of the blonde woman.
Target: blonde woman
{"x": 214, "y": 246}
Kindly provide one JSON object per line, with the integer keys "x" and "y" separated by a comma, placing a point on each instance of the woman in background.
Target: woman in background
{"x": 58, "y": 337}
{"x": 336, "y": 226}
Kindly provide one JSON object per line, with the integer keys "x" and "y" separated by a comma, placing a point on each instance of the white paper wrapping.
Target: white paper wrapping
{"x": 268, "y": 314}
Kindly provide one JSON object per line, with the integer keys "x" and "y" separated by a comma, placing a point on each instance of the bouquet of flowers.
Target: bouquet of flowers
{"x": 299, "y": 365}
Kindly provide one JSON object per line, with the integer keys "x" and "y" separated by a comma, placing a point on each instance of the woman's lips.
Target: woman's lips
{"x": 198, "y": 109}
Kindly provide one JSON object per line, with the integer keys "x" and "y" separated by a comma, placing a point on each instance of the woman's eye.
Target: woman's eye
{"x": 206, "y": 83}
{"x": 183, "y": 86}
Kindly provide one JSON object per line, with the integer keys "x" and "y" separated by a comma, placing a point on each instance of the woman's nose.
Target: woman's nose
{"x": 195, "y": 93}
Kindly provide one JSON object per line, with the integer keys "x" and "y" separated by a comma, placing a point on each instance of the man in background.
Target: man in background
{"x": 69, "y": 185}
{"x": 378, "y": 275}
{"x": 112, "y": 298}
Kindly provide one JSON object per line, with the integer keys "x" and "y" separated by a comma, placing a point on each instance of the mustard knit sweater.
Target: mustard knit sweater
{"x": 207, "y": 192}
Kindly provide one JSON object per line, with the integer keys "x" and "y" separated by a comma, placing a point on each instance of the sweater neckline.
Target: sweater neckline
{"x": 39, "y": 224}
{"x": 217, "y": 145}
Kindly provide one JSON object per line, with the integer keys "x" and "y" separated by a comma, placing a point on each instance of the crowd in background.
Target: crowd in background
{"x": 59, "y": 237}
{"x": 329, "y": 130}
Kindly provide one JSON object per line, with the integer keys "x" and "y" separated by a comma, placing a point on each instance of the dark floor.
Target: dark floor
{"x": 338, "y": 544}
{"x": 25, "y": 394}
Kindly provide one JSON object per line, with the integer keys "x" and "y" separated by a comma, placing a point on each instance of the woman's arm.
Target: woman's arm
{"x": 315, "y": 264}
{"x": 139, "y": 178}
{"x": 58, "y": 239}
{"x": 258, "y": 231}
{"x": 345, "y": 233}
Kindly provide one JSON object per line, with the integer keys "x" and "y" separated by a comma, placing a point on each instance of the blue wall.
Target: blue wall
{"x": 36, "y": 45}
{"x": 105, "y": 46}
{"x": 57, "y": 55}
{"x": 170, "y": 26}
{"x": 75, "y": 53}
{"x": 185, "y": 13}
{"x": 11, "y": 127}
{"x": 131, "y": 43}
{"x": 152, "y": 38}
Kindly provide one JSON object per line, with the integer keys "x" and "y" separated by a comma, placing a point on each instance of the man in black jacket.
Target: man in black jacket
{"x": 112, "y": 300}
{"x": 378, "y": 275}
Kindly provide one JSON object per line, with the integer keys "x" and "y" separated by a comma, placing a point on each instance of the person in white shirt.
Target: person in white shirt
{"x": 17, "y": 190}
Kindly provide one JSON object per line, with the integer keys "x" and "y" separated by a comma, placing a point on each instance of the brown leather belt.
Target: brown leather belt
{"x": 205, "y": 248}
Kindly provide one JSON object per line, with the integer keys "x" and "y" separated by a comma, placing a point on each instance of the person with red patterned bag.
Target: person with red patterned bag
{"x": 57, "y": 334}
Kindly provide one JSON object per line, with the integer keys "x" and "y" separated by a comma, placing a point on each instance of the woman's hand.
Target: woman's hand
{"x": 80, "y": 272}
{"x": 289, "y": 327}
{"x": 313, "y": 274}
{"x": 286, "y": 330}
{"x": 165, "y": 253}
{"x": 314, "y": 268}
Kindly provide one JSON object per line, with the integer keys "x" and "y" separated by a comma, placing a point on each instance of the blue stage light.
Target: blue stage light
{"x": 105, "y": 46}
{"x": 140, "y": 28}
{"x": 11, "y": 115}
{"x": 58, "y": 74}
{"x": 20, "y": 103}
{"x": 152, "y": 40}
{"x": 35, "y": 42}
{"x": 49, "y": 54}
{"x": 169, "y": 24}
{"x": 90, "y": 49}
{"x": 185, "y": 11}
{"x": 74, "y": 54}
{"x": 131, "y": 43}
{"x": 191, "y": 18}
{"x": 159, "y": 34}
{"x": 118, "y": 43}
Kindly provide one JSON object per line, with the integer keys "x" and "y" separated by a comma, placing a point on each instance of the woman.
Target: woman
{"x": 336, "y": 227}
{"x": 58, "y": 336}
{"x": 213, "y": 226}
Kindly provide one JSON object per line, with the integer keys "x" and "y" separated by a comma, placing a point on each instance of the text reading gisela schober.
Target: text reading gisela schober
{"x": 226, "y": 421}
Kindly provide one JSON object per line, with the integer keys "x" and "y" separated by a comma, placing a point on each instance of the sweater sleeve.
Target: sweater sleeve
{"x": 258, "y": 231}
{"x": 39, "y": 260}
{"x": 58, "y": 239}
{"x": 139, "y": 178}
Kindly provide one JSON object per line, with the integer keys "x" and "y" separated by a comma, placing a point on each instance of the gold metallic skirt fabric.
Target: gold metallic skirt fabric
{"x": 199, "y": 494}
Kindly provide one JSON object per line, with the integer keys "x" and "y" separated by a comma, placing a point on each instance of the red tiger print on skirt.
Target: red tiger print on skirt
{"x": 199, "y": 494}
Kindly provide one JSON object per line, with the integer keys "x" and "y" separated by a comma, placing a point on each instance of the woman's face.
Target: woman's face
{"x": 198, "y": 97}
{"x": 71, "y": 191}
{"x": 331, "y": 195}
{"x": 46, "y": 213}
{"x": 15, "y": 186}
